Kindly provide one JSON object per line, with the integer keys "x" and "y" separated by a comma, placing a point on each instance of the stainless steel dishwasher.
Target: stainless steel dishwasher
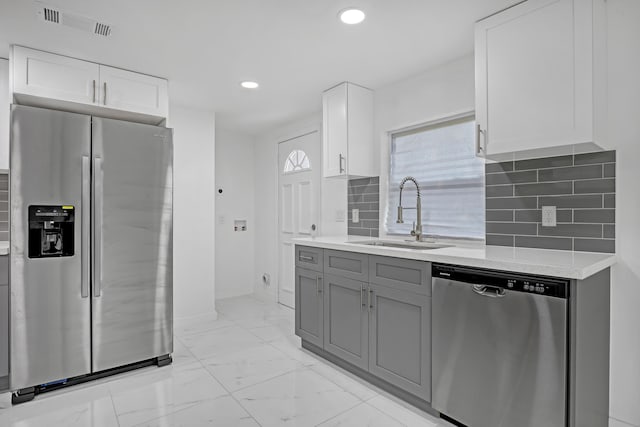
{"x": 499, "y": 348}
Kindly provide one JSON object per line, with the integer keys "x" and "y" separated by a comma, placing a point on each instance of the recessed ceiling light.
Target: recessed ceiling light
{"x": 249, "y": 85}
{"x": 351, "y": 16}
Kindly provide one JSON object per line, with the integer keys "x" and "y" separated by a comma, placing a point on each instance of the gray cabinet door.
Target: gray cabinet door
{"x": 400, "y": 339}
{"x": 4, "y": 328}
{"x": 351, "y": 265}
{"x": 346, "y": 320}
{"x": 309, "y": 258}
{"x": 309, "y": 306}
{"x": 402, "y": 274}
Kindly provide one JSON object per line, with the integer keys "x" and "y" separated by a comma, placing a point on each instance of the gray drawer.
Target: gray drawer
{"x": 4, "y": 270}
{"x": 403, "y": 274}
{"x": 351, "y": 265}
{"x": 309, "y": 258}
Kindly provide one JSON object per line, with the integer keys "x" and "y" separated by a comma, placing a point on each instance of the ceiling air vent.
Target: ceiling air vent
{"x": 89, "y": 25}
{"x": 102, "y": 29}
{"x": 51, "y": 15}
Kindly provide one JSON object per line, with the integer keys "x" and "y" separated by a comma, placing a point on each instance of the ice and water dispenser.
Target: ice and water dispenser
{"x": 51, "y": 231}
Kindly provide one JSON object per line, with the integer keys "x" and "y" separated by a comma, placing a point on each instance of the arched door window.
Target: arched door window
{"x": 297, "y": 161}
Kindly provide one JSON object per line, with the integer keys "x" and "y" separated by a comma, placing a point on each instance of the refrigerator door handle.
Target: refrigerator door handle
{"x": 85, "y": 226}
{"x": 97, "y": 226}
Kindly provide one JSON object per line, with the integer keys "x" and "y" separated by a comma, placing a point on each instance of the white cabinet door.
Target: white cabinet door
{"x": 535, "y": 75}
{"x": 335, "y": 131}
{"x": 349, "y": 148}
{"x": 4, "y": 114}
{"x": 47, "y": 75}
{"x": 139, "y": 93}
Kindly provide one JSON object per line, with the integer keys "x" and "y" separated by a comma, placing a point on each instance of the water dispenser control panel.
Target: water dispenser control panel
{"x": 51, "y": 230}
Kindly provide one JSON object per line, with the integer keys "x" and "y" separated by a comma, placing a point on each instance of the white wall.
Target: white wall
{"x": 234, "y": 249}
{"x": 193, "y": 210}
{"x": 624, "y": 136}
{"x": 434, "y": 94}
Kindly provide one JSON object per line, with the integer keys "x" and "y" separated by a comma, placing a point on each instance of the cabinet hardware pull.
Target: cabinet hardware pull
{"x": 479, "y": 131}
{"x": 341, "y": 158}
{"x": 306, "y": 258}
{"x": 362, "y": 296}
{"x": 85, "y": 228}
{"x": 105, "y": 93}
{"x": 94, "y": 91}
{"x": 369, "y": 300}
{"x": 318, "y": 286}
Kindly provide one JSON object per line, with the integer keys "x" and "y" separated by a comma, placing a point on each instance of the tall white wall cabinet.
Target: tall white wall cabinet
{"x": 4, "y": 113}
{"x": 347, "y": 137}
{"x": 541, "y": 76}
{"x": 45, "y": 79}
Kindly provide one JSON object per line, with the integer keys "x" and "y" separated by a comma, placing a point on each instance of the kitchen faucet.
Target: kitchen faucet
{"x": 417, "y": 229}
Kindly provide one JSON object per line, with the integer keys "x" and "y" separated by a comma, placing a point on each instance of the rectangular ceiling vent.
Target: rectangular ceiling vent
{"x": 72, "y": 20}
{"x": 51, "y": 15}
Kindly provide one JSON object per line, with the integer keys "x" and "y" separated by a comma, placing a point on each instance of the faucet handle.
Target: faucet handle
{"x": 413, "y": 229}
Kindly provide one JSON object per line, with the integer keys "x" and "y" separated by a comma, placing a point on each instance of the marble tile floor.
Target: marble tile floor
{"x": 245, "y": 368}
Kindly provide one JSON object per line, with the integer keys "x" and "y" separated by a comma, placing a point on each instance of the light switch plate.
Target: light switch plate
{"x": 355, "y": 216}
{"x": 548, "y": 216}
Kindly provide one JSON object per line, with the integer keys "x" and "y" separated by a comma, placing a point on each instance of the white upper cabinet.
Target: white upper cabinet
{"x": 47, "y": 75}
{"x": 347, "y": 137}
{"x": 49, "y": 80}
{"x": 540, "y": 76}
{"x": 4, "y": 114}
{"x": 130, "y": 91}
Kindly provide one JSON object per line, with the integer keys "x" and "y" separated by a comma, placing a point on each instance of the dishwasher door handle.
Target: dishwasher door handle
{"x": 489, "y": 291}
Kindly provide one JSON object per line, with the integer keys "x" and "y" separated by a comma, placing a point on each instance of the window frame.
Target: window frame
{"x": 441, "y": 121}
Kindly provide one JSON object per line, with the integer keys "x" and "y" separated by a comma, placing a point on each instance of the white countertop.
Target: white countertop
{"x": 4, "y": 248}
{"x": 567, "y": 264}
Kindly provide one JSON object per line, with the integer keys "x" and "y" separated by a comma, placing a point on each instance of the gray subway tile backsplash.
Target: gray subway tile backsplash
{"x": 560, "y": 243}
{"x": 548, "y": 188}
{"x": 511, "y": 177}
{"x": 364, "y": 194}
{"x": 607, "y": 185}
{"x": 594, "y": 245}
{"x": 581, "y": 187}
{"x": 512, "y": 203}
{"x": 609, "y": 231}
{"x": 597, "y": 157}
{"x": 499, "y": 240}
{"x": 543, "y": 163}
{"x": 4, "y": 206}
{"x": 570, "y": 173}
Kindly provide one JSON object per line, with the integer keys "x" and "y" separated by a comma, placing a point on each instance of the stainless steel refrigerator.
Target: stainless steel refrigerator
{"x": 91, "y": 247}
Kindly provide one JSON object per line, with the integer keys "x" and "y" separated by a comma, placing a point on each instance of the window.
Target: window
{"x": 441, "y": 157}
{"x": 297, "y": 161}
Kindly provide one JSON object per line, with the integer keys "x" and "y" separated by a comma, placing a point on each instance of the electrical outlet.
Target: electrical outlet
{"x": 355, "y": 216}
{"x": 548, "y": 216}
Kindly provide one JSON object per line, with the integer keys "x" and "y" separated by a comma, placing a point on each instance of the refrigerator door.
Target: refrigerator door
{"x": 50, "y": 318}
{"x": 132, "y": 292}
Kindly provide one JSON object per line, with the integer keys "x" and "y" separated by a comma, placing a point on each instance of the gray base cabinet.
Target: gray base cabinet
{"x": 372, "y": 312}
{"x": 4, "y": 317}
{"x": 346, "y": 320}
{"x": 400, "y": 339}
{"x": 309, "y": 306}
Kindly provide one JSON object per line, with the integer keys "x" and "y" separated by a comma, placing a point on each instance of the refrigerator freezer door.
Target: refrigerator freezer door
{"x": 132, "y": 293}
{"x": 50, "y": 319}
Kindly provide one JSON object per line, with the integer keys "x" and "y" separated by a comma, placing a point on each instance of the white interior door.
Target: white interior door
{"x": 298, "y": 203}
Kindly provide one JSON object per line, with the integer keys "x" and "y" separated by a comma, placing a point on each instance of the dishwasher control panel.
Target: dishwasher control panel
{"x": 509, "y": 281}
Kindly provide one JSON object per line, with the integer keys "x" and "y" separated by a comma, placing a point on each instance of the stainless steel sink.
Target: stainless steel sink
{"x": 414, "y": 245}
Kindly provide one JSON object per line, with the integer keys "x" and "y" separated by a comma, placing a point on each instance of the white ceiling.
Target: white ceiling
{"x": 295, "y": 49}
